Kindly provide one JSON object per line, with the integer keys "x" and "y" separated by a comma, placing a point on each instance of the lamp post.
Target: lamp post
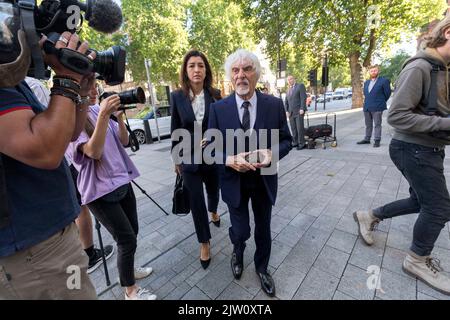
{"x": 325, "y": 75}
{"x": 148, "y": 64}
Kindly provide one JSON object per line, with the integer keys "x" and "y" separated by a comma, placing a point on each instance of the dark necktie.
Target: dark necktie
{"x": 246, "y": 116}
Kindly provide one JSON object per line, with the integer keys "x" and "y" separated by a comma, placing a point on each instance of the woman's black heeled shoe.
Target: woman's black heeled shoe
{"x": 217, "y": 223}
{"x": 205, "y": 263}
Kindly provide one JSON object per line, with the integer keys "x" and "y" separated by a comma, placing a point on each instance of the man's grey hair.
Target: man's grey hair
{"x": 238, "y": 55}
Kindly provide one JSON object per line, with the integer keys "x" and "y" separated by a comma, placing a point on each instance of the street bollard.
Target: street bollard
{"x": 148, "y": 132}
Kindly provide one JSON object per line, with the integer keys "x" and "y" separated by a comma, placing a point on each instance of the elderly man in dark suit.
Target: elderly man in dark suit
{"x": 295, "y": 110}
{"x": 377, "y": 91}
{"x": 241, "y": 177}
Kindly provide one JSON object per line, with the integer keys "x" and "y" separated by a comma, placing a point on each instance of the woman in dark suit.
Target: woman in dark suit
{"x": 190, "y": 109}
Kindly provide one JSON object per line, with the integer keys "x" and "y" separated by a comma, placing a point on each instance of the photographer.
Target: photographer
{"x": 417, "y": 150}
{"x": 39, "y": 245}
{"x": 84, "y": 220}
{"x": 104, "y": 182}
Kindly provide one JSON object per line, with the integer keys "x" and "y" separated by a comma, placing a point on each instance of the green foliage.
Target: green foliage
{"x": 340, "y": 25}
{"x": 343, "y": 27}
{"x": 217, "y": 28}
{"x": 390, "y": 68}
{"x": 156, "y": 30}
{"x": 100, "y": 41}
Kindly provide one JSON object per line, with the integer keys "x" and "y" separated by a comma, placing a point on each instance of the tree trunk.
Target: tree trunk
{"x": 357, "y": 80}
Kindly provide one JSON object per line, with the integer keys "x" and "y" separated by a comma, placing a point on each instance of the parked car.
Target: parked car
{"x": 320, "y": 98}
{"x": 339, "y": 95}
{"x": 164, "y": 117}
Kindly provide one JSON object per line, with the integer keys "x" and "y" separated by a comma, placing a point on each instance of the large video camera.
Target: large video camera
{"x": 132, "y": 96}
{"x": 53, "y": 17}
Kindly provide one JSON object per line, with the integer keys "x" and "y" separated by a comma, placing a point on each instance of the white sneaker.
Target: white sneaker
{"x": 428, "y": 270}
{"x": 366, "y": 224}
{"x": 140, "y": 273}
{"x": 141, "y": 294}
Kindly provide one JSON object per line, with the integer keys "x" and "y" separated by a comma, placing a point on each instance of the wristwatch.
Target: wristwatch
{"x": 83, "y": 100}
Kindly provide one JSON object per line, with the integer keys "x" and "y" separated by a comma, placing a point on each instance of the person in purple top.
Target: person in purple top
{"x": 104, "y": 182}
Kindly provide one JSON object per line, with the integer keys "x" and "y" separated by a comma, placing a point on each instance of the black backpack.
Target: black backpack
{"x": 430, "y": 101}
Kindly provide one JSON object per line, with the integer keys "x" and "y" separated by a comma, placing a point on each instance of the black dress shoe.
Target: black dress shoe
{"x": 376, "y": 144}
{"x": 267, "y": 283}
{"x": 301, "y": 147}
{"x": 364, "y": 141}
{"x": 236, "y": 266}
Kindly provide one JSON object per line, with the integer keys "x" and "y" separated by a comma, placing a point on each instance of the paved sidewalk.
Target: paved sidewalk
{"x": 316, "y": 253}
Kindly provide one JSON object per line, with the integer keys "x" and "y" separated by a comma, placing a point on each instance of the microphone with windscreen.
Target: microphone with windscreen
{"x": 54, "y": 17}
{"x": 102, "y": 15}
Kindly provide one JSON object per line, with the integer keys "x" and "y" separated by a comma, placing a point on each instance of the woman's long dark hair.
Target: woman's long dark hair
{"x": 207, "y": 83}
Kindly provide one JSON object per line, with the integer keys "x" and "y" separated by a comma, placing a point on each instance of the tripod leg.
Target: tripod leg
{"x": 102, "y": 249}
{"x": 145, "y": 193}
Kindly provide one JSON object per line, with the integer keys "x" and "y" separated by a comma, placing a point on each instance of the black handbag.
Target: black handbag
{"x": 180, "y": 200}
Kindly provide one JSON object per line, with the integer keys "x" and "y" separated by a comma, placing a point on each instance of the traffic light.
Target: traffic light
{"x": 312, "y": 77}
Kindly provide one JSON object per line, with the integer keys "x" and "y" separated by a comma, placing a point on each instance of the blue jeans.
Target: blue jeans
{"x": 423, "y": 168}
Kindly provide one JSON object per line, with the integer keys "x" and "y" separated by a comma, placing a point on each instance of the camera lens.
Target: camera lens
{"x": 110, "y": 65}
{"x": 132, "y": 96}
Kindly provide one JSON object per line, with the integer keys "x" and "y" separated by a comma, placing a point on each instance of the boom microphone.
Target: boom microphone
{"x": 104, "y": 15}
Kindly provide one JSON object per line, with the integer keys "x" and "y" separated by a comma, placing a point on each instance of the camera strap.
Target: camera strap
{"x": 26, "y": 8}
{"x": 134, "y": 145}
{"x": 430, "y": 100}
{"x": 4, "y": 210}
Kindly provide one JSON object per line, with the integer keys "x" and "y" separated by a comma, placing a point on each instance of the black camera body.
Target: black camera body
{"x": 53, "y": 17}
{"x": 108, "y": 64}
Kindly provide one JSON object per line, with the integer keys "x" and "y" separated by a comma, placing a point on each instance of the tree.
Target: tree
{"x": 100, "y": 41}
{"x": 217, "y": 28}
{"x": 349, "y": 30}
{"x": 156, "y": 30}
{"x": 390, "y": 68}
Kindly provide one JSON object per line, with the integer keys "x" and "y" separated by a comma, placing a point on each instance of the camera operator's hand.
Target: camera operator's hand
{"x": 119, "y": 114}
{"x": 70, "y": 41}
{"x": 109, "y": 105}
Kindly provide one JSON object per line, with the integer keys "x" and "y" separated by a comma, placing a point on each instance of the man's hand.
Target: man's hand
{"x": 266, "y": 155}
{"x": 239, "y": 163}
{"x": 69, "y": 41}
{"x": 302, "y": 112}
{"x": 177, "y": 169}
